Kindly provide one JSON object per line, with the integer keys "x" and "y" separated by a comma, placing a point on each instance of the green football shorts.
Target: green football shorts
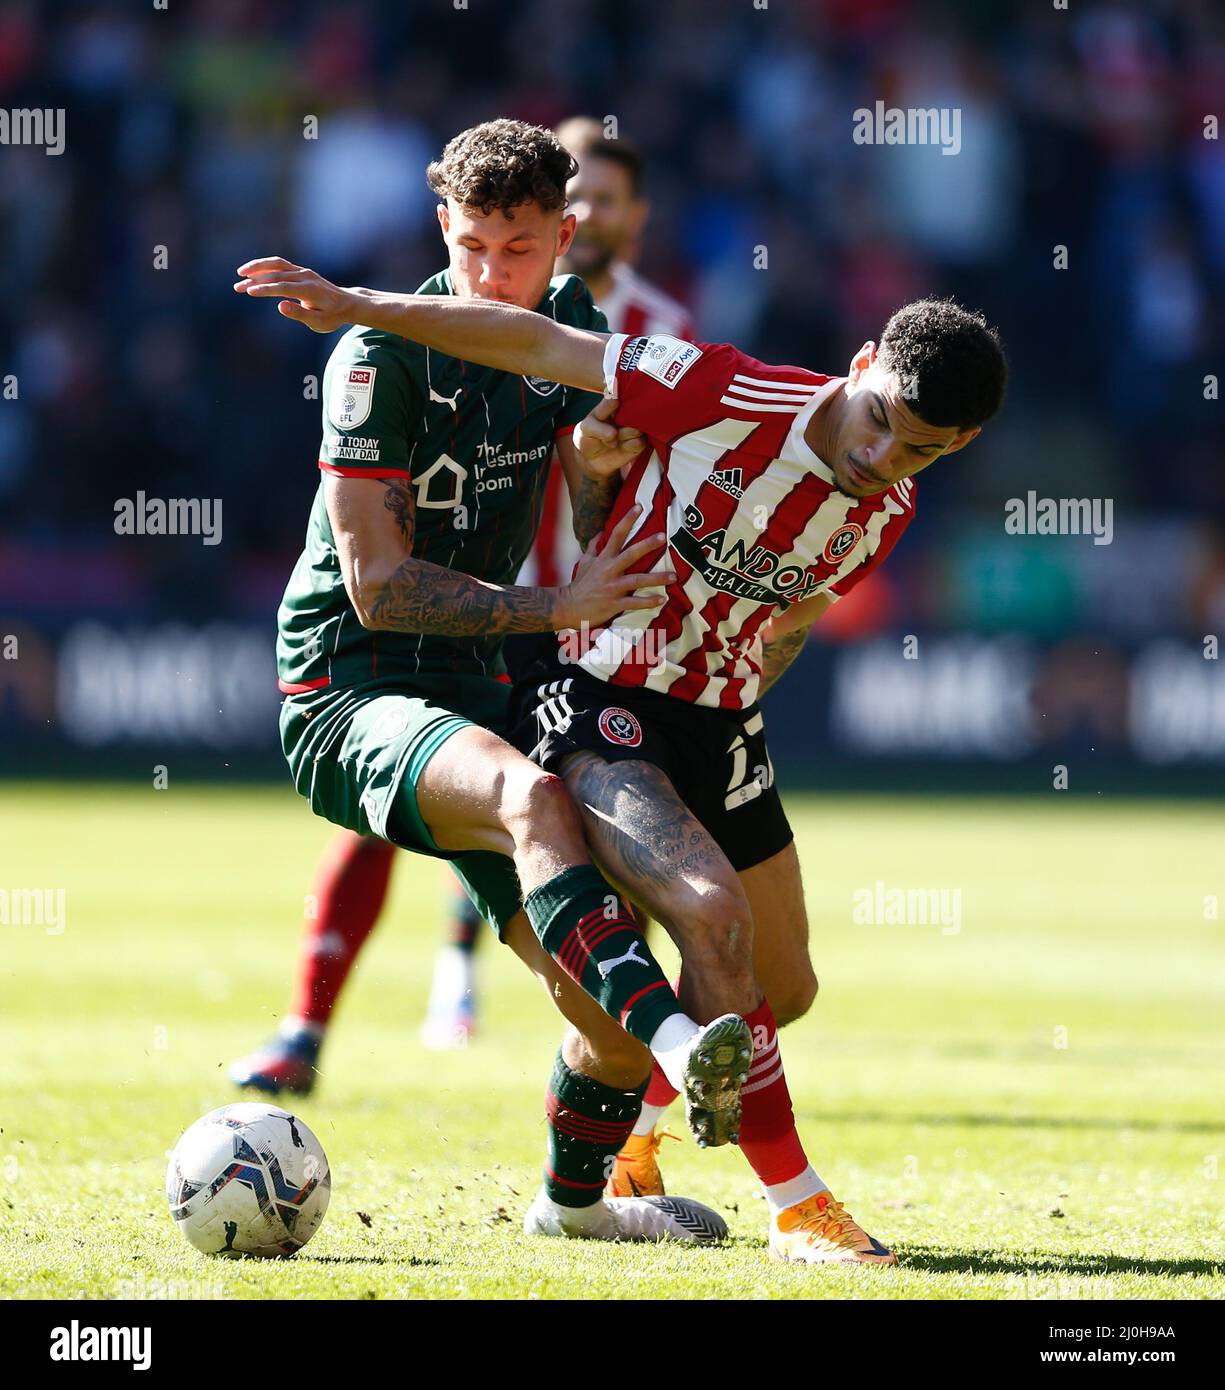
{"x": 356, "y": 752}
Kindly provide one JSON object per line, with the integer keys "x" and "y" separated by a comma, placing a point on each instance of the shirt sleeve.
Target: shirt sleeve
{"x": 668, "y": 386}
{"x": 581, "y": 311}
{"x": 370, "y": 409}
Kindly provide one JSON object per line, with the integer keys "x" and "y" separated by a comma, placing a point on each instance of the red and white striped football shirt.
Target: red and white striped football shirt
{"x": 632, "y": 305}
{"x": 753, "y": 516}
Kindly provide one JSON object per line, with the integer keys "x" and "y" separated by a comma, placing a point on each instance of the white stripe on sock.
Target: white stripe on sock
{"x": 763, "y": 1082}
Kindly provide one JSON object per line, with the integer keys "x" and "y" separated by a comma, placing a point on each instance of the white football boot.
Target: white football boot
{"x": 627, "y": 1218}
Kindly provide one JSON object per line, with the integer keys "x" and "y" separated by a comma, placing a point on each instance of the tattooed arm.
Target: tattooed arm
{"x": 374, "y": 522}
{"x": 777, "y": 654}
{"x": 591, "y": 499}
{"x": 595, "y": 461}
{"x": 593, "y": 504}
{"x": 783, "y": 637}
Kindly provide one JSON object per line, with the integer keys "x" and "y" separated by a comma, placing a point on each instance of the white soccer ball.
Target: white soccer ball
{"x": 248, "y": 1179}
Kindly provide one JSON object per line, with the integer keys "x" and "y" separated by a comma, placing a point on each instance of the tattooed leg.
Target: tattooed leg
{"x": 646, "y": 839}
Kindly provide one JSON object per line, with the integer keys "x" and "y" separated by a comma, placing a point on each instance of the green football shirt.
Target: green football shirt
{"x": 477, "y": 445}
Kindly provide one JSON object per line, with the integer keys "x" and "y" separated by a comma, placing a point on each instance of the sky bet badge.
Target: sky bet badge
{"x": 351, "y": 398}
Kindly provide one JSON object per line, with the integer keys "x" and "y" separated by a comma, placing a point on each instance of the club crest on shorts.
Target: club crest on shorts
{"x": 620, "y": 726}
{"x": 351, "y": 396}
{"x": 842, "y": 542}
{"x": 392, "y": 719}
{"x": 541, "y": 385}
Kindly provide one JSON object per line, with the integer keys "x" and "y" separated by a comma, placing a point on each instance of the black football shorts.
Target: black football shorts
{"x": 716, "y": 759}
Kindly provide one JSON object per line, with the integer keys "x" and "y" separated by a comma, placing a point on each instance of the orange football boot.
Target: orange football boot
{"x": 636, "y": 1172}
{"x": 820, "y": 1230}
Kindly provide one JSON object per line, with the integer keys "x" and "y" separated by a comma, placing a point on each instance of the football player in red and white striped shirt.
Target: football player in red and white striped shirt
{"x": 778, "y": 489}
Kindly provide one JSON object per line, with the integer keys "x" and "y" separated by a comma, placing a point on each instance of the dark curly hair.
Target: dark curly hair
{"x": 950, "y": 363}
{"x": 503, "y": 164}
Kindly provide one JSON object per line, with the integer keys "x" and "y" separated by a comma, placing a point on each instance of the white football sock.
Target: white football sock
{"x": 453, "y": 983}
{"x": 650, "y": 1117}
{"x": 670, "y": 1046}
{"x": 294, "y": 1024}
{"x": 577, "y": 1219}
{"x": 786, "y": 1194}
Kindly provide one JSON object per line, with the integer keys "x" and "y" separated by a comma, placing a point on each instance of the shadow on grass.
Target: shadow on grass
{"x": 407, "y": 1261}
{"x": 1017, "y": 1121}
{"x": 943, "y": 1261}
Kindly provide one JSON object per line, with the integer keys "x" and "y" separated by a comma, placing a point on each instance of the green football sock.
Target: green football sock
{"x": 591, "y": 934}
{"x": 588, "y": 1124}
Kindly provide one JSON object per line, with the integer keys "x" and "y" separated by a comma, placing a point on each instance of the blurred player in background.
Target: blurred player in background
{"x": 351, "y": 884}
{"x": 610, "y": 207}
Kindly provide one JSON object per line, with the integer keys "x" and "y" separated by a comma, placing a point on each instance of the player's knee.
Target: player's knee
{"x": 793, "y": 999}
{"x": 536, "y": 803}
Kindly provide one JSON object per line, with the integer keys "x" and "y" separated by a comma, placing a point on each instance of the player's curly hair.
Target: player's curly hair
{"x": 503, "y": 164}
{"x": 950, "y": 363}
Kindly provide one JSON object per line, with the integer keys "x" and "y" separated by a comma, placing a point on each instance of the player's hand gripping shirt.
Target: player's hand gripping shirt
{"x": 754, "y": 519}
{"x": 632, "y": 305}
{"x": 476, "y": 444}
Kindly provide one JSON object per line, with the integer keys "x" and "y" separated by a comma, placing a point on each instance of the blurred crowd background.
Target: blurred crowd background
{"x": 1081, "y": 128}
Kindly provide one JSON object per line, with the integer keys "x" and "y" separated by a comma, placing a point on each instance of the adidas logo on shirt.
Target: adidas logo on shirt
{"x": 731, "y": 480}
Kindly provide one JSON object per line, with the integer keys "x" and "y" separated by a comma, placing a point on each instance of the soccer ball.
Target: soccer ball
{"x": 248, "y": 1179}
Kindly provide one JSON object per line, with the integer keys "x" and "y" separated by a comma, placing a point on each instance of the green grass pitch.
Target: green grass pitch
{"x": 1026, "y": 1108}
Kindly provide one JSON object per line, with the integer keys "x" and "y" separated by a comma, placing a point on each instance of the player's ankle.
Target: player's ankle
{"x": 294, "y": 1025}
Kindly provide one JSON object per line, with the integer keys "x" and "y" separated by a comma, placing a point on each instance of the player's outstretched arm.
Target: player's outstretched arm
{"x": 783, "y": 637}
{"x": 373, "y": 523}
{"x": 478, "y": 330}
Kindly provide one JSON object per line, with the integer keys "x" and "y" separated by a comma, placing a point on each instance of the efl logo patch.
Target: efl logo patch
{"x": 620, "y": 726}
{"x": 842, "y": 542}
{"x": 351, "y": 397}
{"x": 667, "y": 359}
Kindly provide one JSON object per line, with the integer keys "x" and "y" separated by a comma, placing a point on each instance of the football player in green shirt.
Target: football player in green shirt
{"x": 388, "y": 652}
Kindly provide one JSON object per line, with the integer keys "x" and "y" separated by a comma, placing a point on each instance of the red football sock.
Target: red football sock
{"x": 660, "y": 1091}
{"x": 348, "y": 895}
{"x": 768, "y": 1135}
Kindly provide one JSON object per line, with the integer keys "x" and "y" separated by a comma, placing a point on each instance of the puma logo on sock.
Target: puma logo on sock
{"x": 606, "y": 967}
